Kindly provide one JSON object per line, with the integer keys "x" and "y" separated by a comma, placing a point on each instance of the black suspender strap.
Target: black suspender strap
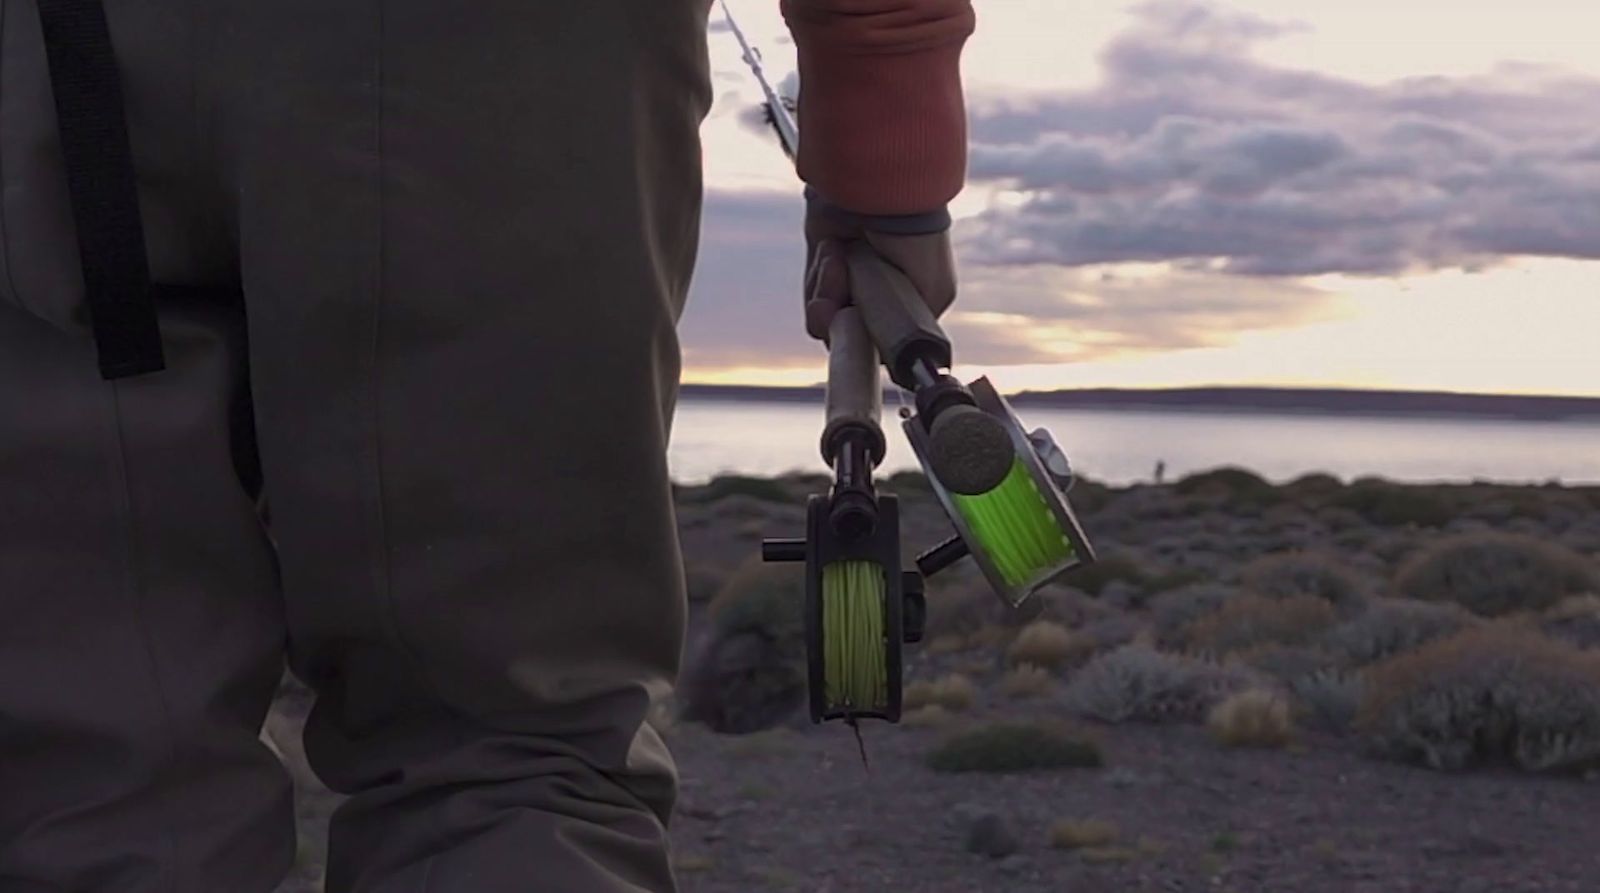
{"x": 100, "y": 178}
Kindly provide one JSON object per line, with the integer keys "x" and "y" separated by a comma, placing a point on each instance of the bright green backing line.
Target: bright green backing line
{"x": 1016, "y": 528}
{"x": 854, "y": 652}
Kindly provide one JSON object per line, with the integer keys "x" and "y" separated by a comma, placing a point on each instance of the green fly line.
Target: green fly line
{"x": 854, "y": 650}
{"x": 1015, "y": 527}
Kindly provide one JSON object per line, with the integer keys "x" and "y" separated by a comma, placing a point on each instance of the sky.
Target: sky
{"x": 1257, "y": 192}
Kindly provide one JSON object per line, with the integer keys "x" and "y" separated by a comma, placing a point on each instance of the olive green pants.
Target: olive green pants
{"x": 464, "y": 232}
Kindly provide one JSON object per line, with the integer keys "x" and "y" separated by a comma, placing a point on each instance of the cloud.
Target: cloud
{"x": 1192, "y": 151}
{"x": 745, "y": 305}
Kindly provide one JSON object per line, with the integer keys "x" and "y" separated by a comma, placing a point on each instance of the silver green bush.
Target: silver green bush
{"x": 1393, "y": 626}
{"x": 1495, "y": 696}
{"x": 1328, "y": 699}
{"x": 1171, "y": 612}
{"x": 1307, "y": 573}
{"x": 1575, "y": 621}
{"x": 1494, "y": 574}
{"x": 1137, "y": 683}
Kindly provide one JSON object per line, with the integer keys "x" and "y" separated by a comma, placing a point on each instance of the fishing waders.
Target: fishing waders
{"x": 398, "y": 402}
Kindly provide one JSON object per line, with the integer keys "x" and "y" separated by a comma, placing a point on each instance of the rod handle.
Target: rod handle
{"x": 898, "y": 319}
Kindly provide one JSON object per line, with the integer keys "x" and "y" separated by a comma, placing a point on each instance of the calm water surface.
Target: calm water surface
{"x": 756, "y": 438}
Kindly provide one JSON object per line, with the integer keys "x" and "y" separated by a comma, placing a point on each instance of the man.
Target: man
{"x": 463, "y": 233}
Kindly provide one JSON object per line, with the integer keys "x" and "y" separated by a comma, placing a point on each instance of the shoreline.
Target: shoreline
{"x": 1412, "y": 405}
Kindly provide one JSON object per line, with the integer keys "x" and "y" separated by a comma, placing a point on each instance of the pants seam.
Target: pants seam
{"x": 383, "y": 579}
{"x": 170, "y": 870}
{"x": 5, "y": 229}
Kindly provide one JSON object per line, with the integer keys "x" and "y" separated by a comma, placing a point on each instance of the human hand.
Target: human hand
{"x": 919, "y": 246}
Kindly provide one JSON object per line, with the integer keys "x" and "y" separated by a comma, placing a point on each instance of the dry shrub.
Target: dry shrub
{"x": 1251, "y": 621}
{"x": 749, "y": 674}
{"x": 953, "y": 692}
{"x": 946, "y": 644}
{"x": 1077, "y": 834}
{"x": 928, "y": 716}
{"x": 1140, "y": 684}
{"x": 1112, "y": 630}
{"x": 1172, "y": 612}
{"x": 1495, "y": 574}
{"x": 1015, "y": 747}
{"x": 1047, "y": 644}
{"x": 1027, "y": 681}
{"x": 1329, "y": 699}
{"x": 1499, "y": 695}
{"x": 959, "y": 610}
{"x": 1397, "y": 505}
{"x": 1286, "y": 663}
{"x": 763, "y": 598}
{"x": 1257, "y": 717}
{"x": 1575, "y": 621}
{"x": 1393, "y": 626}
{"x": 1294, "y": 574}
{"x": 992, "y": 636}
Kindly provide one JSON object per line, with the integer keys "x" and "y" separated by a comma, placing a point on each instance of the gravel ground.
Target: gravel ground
{"x": 794, "y": 810}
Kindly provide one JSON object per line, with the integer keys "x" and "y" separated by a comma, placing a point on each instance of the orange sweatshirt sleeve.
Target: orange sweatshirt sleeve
{"x": 883, "y": 124}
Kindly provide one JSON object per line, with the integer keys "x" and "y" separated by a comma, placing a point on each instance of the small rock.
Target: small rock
{"x": 703, "y": 813}
{"x": 1122, "y": 594}
{"x": 989, "y": 836}
{"x": 1123, "y": 778}
{"x": 1014, "y": 864}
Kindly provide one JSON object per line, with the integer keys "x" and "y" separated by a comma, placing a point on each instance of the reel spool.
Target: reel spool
{"x": 861, "y": 607}
{"x": 1021, "y": 532}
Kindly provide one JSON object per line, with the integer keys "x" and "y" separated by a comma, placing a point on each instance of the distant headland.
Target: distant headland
{"x": 1278, "y": 401}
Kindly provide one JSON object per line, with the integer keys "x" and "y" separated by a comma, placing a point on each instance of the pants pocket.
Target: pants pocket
{"x": 39, "y": 266}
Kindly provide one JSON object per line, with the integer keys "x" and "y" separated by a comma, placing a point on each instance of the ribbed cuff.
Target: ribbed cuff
{"x": 925, "y": 223}
{"x": 883, "y": 134}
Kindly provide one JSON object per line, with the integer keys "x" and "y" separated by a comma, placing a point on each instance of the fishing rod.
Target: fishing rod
{"x": 1002, "y": 487}
{"x": 777, "y": 109}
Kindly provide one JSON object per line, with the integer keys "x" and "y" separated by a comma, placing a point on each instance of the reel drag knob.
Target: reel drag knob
{"x": 970, "y": 451}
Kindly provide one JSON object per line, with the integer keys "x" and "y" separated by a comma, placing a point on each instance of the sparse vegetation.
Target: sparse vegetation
{"x": 1328, "y": 699}
{"x": 1232, "y": 483}
{"x": 1302, "y": 573}
{"x": 1257, "y": 717}
{"x": 693, "y": 863}
{"x": 1077, "y": 834}
{"x": 1027, "y": 681}
{"x": 959, "y": 610}
{"x": 945, "y": 644}
{"x": 762, "y": 489}
{"x": 928, "y": 716}
{"x": 1109, "y": 855}
{"x": 954, "y": 693}
{"x": 1500, "y": 695}
{"x": 1138, "y": 683}
{"x": 1093, "y": 578}
{"x": 1047, "y": 644}
{"x": 1396, "y": 505}
{"x": 750, "y": 673}
{"x": 763, "y": 598}
{"x": 1393, "y": 626}
{"x": 1495, "y": 574}
{"x": 1172, "y": 612}
{"x": 1575, "y": 621}
{"x": 1015, "y": 747}
{"x": 1251, "y": 621}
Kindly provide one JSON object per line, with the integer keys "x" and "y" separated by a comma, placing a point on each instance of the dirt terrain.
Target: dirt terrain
{"x": 793, "y": 808}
